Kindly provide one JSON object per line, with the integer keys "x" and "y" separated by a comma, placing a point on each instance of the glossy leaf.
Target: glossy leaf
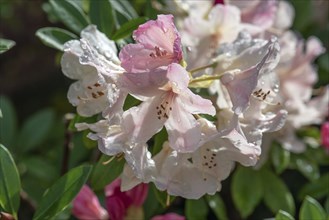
{"x": 280, "y": 158}
{"x": 326, "y": 205}
{"x": 54, "y": 37}
{"x": 247, "y": 190}
{"x": 60, "y": 195}
{"x": 127, "y": 28}
{"x": 105, "y": 174}
{"x": 162, "y": 197}
{"x": 196, "y": 209}
{"x": 159, "y": 139}
{"x": 5, "y": 45}
{"x": 101, "y": 14}
{"x": 307, "y": 167}
{"x": 317, "y": 189}
{"x": 10, "y": 184}
{"x": 33, "y": 165}
{"x": 36, "y": 129}
{"x": 151, "y": 205}
{"x": 311, "y": 209}
{"x": 217, "y": 205}
{"x": 276, "y": 194}
{"x": 124, "y": 8}
{"x": 8, "y": 122}
{"x": 282, "y": 215}
{"x": 70, "y": 14}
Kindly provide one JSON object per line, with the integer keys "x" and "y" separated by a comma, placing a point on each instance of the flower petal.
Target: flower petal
{"x": 87, "y": 206}
{"x": 184, "y": 132}
{"x": 195, "y": 104}
{"x": 135, "y": 58}
{"x": 142, "y": 121}
{"x": 102, "y": 44}
{"x": 178, "y": 78}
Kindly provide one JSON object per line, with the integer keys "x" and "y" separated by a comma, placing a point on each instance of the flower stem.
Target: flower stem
{"x": 205, "y": 78}
{"x": 212, "y": 65}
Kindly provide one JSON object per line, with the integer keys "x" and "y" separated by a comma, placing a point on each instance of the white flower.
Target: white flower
{"x": 93, "y": 62}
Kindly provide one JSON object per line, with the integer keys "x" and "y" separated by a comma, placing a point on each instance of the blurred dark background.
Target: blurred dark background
{"x": 30, "y": 73}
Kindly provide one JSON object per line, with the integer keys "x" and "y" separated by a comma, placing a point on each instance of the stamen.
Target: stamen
{"x": 168, "y": 200}
{"x": 163, "y": 109}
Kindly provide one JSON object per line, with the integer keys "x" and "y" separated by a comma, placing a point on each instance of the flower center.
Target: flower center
{"x": 165, "y": 107}
{"x": 262, "y": 95}
{"x": 94, "y": 91}
{"x": 208, "y": 160}
{"x": 158, "y": 52}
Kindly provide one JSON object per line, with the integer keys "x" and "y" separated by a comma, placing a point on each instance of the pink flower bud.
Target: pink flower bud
{"x": 325, "y": 135}
{"x": 86, "y": 206}
{"x": 219, "y": 2}
{"x": 119, "y": 202}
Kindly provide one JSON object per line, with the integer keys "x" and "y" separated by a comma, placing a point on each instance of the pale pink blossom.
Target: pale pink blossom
{"x": 86, "y": 206}
{"x": 172, "y": 106}
{"x": 192, "y": 175}
{"x": 157, "y": 44}
{"x": 259, "y": 13}
{"x": 93, "y": 62}
{"x": 113, "y": 138}
{"x": 241, "y": 79}
{"x": 220, "y": 25}
{"x": 285, "y": 16}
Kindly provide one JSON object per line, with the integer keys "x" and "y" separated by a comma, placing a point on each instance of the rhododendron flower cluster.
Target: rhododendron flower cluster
{"x": 214, "y": 84}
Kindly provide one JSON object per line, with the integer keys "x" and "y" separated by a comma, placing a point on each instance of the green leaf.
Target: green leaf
{"x": 311, "y": 209}
{"x": 10, "y": 184}
{"x": 280, "y": 158}
{"x": 159, "y": 139}
{"x": 276, "y": 194}
{"x": 101, "y": 14}
{"x": 151, "y": 205}
{"x": 33, "y": 165}
{"x": 105, "y": 174}
{"x": 307, "y": 167}
{"x": 36, "y": 129}
{"x": 246, "y": 194}
{"x": 70, "y": 14}
{"x": 127, "y": 28}
{"x": 54, "y": 37}
{"x": 326, "y": 205}
{"x": 5, "y": 45}
{"x": 317, "y": 189}
{"x": 303, "y": 15}
{"x": 130, "y": 102}
{"x": 282, "y": 215}
{"x": 60, "y": 195}
{"x": 124, "y": 8}
{"x": 162, "y": 197}
{"x": 8, "y": 122}
{"x": 196, "y": 209}
{"x": 217, "y": 205}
